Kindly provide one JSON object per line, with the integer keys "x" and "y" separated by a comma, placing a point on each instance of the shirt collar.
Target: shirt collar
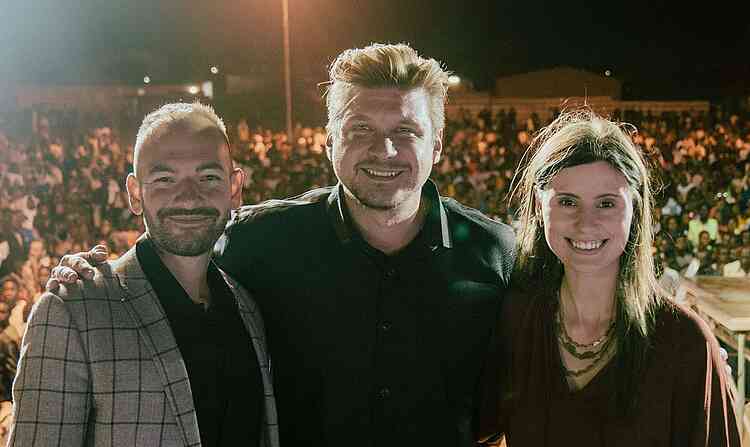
{"x": 435, "y": 224}
{"x": 170, "y": 292}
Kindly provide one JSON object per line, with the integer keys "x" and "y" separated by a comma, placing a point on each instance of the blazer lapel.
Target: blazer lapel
{"x": 254, "y": 325}
{"x": 153, "y": 327}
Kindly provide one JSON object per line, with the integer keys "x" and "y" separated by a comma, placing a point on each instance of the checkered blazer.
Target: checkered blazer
{"x": 100, "y": 367}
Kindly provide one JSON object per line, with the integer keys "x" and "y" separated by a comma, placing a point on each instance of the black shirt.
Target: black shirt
{"x": 369, "y": 349}
{"x": 218, "y": 353}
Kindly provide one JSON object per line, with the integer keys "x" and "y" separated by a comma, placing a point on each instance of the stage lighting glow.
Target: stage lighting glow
{"x": 214, "y": 70}
{"x": 146, "y": 79}
{"x": 607, "y": 73}
{"x": 454, "y": 80}
{"x": 193, "y": 90}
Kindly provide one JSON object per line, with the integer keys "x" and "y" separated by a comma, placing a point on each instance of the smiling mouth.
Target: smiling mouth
{"x": 382, "y": 174}
{"x": 587, "y": 246}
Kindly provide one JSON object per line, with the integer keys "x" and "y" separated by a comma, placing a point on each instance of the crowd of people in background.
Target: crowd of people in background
{"x": 62, "y": 191}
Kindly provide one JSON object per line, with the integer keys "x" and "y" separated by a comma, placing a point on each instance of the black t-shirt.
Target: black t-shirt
{"x": 218, "y": 353}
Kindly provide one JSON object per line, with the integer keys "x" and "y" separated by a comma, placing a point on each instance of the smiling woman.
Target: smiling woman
{"x": 589, "y": 348}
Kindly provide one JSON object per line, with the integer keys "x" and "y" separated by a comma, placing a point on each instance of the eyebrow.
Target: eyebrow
{"x": 362, "y": 117}
{"x": 203, "y": 167}
{"x": 210, "y": 165}
{"x": 160, "y": 168}
{"x": 600, "y": 196}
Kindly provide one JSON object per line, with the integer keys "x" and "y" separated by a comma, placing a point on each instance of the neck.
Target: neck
{"x": 191, "y": 272}
{"x": 388, "y": 230}
{"x": 588, "y": 298}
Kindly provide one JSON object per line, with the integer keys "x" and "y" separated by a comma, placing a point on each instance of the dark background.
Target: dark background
{"x": 660, "y": 50}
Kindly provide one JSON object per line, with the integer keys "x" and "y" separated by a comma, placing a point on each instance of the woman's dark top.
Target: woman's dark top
{"x": 684, "y": 394}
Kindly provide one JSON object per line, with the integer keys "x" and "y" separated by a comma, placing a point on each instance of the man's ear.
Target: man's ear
{"x": 438, "y": 147}
{"x": 329, "y": 147}
{"x": 135, "y": 199}
{"x": 236, "y": 181}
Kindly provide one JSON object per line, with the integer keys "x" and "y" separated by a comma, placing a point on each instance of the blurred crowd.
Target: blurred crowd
{"x": 62, "y": 190}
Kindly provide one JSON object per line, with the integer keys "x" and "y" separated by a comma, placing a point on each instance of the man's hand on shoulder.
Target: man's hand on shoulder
{"x": 75, "y": 266}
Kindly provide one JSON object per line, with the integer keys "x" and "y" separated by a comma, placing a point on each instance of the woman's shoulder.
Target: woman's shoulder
{"x": 679, "y": 328}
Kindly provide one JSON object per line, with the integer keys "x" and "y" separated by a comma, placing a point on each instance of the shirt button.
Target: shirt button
{"x": 385, "y": 326}
{"x": 384, "y": 393}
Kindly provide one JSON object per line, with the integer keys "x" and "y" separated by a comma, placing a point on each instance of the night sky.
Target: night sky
{"x": 660, "y": 51}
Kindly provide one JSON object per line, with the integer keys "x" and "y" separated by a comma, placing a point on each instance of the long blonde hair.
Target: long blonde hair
{"x": 576, "y": 137}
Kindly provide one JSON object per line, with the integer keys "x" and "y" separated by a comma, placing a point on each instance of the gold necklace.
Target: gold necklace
{"x": 572, "y": 347}
{"x": 579, "y": 350}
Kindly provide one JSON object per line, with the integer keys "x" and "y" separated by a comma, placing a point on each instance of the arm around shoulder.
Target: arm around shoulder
{"x": 52, "y": 392}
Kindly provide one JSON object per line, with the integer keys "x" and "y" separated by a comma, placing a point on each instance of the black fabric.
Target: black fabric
{"x": 218, "y": 353}
{"x": 369, "y": 349}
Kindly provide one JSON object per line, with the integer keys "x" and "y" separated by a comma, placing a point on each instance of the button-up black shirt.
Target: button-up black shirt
{"x": 218, "y": 353}
{"x": 369, "y": 349}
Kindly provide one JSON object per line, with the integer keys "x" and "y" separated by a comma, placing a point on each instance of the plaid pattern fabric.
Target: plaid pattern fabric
{"x": 100, "y": 367}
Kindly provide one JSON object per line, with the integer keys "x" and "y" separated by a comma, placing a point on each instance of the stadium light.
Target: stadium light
{"x": 146, "y": 79}
{"x": 214, "y": 69}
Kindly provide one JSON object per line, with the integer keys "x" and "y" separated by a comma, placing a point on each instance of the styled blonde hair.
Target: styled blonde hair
{"x": 164, "y": 119}
{"x": 384, "y": 65}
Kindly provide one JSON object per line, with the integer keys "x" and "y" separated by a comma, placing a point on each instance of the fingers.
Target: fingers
{"x": 63, "y": 275}
{"x": 725, "y": 356}
{"x": 52, "y": 285}
{"x": 97, "y": 255}
{"x": 78, "y": 265}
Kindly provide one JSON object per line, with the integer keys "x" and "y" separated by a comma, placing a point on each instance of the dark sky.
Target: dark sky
{"x": 663, "y": 50}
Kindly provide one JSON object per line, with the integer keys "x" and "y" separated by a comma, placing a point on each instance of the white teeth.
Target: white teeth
{"x": 382, "y": 173}
{"x": 586, "y": 245}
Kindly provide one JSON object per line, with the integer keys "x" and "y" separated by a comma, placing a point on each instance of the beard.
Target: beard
{"x": 197, "y": 242}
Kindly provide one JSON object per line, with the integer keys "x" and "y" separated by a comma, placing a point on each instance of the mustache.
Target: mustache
{"x": 201, "y": 211}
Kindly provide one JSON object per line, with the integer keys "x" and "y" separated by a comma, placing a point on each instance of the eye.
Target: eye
{"x": 162, "y": 180}
{"x": 406, "y": 131}
{"x": 566, "y": 202}
{"x": 360, "y": 127}
{"x": 210, "y": 178}
{"x": 607, "y": 204}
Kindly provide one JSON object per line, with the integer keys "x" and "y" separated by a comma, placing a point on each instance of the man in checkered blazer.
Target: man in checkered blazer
{"x": 160, "y": 348}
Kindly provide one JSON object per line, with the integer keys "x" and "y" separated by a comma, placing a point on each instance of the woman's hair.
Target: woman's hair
{"x": 578, "y": 137}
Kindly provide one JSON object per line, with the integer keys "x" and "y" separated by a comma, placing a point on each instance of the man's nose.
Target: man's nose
{"x": 383, "y": 147}
{"x": 188, "y": 190}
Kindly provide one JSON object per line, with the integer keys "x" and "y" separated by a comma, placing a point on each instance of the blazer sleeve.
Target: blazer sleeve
{"x": 52, "y": 389}
{"x": 703, "y": 408}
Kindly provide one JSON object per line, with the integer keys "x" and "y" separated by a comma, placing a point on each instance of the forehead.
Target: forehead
{"x": 388, "y": 103}
{"x": 184, "y": 147}
{"x": 591, "y": 179}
